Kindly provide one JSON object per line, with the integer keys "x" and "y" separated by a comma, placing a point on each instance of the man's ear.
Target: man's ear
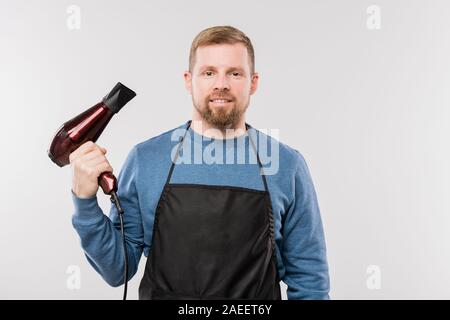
{"x": 254, "y": 84}
{"x": 188, "y": 81}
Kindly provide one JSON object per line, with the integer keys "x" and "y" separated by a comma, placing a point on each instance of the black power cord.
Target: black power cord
{"x": 115, "y": 200}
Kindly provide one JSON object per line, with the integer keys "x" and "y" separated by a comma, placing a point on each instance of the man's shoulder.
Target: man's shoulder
{"x": 288, "y": 155}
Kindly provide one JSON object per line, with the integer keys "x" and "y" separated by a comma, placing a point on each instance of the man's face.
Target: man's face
{"x": 221, "y": 83}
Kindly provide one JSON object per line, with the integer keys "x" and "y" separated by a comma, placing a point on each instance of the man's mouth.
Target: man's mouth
{"x": 220, "y": 102}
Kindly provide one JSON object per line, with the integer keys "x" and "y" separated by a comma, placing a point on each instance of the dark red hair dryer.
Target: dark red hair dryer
{"x": 88, "y": 126}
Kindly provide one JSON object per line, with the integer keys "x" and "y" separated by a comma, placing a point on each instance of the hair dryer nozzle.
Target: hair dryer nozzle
{"x": 119, "y": 96}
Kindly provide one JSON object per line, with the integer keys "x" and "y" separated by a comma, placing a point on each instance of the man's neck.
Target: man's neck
{"x": 204, "y": 128}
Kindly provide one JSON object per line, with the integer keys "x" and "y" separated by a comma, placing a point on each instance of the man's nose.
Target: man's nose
{"x": 221, "y": 83}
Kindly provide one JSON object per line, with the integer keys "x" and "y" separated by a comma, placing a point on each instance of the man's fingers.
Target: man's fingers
{"x": 100, "y": 164}
{"x": 85, "y": 148}
{"x": 103, "y": 167}
{"x": 93, "y": 154}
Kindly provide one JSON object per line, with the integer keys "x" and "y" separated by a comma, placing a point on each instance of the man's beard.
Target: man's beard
{"x": 221, "y": 117}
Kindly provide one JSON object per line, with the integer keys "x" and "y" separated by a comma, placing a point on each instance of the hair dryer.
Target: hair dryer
{"x": 88, "y": 126}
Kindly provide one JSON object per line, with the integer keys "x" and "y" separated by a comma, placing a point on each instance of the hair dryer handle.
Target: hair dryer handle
{"x": 107, "y": 182}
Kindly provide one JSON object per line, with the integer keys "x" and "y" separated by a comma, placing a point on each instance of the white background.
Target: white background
{"x": 368, "y": 109}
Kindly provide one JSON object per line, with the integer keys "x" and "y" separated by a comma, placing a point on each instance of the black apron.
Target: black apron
{"x": 212, "y": 242}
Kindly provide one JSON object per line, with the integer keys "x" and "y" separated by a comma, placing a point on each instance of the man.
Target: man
{"x": 210, "y": 228}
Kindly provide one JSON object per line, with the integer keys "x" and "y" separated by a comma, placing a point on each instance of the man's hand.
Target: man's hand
{"x": 88, "y": 162}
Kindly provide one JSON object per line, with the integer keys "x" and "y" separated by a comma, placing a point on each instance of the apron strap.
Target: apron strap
{"x": 247, "y": 126}
{"x": 261, "y": 169}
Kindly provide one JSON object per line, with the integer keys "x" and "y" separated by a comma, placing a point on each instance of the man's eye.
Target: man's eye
{"x": 235, "y": 74}
{"x": 208, "y": 73}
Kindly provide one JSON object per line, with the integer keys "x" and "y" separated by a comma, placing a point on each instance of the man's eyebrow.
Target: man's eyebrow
{"x": 207, "y": 67}
{"x": 237, "y": 69}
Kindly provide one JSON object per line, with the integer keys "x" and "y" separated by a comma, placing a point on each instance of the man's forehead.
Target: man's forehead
{"x": 227, "y": 50}
{"x": 222, "y": 55}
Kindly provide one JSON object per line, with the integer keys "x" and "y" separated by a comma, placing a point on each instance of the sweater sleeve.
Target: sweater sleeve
{"x": 100, "y": 235}
{"x": 304, "y": 250}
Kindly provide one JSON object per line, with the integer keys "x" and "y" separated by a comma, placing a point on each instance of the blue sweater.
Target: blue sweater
{"x": 300, "y": 243}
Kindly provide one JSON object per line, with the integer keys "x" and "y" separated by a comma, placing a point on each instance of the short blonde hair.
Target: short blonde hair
{"x": 220, "y": 35}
